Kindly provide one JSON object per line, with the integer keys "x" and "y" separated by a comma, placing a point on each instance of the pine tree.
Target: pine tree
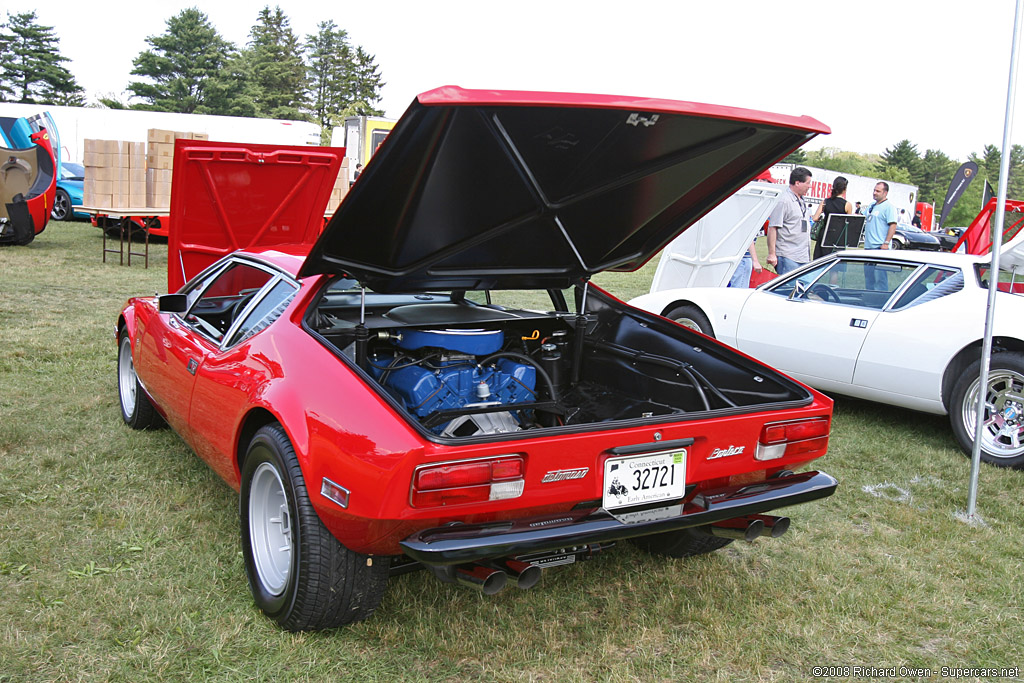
{"x": 937, "y": 170}
{"x": 31, "y": 67}
{"x": 367, "y": 84}
{"x": 329, "y": 80}
{"x": 343, "y": 81}
{"x": 6, "y": 52}
{"x": 903, "y": 155}
{"x": 275, "y": 62}
{"x": 232, "y": 92}
{"x": 184, "y": 65}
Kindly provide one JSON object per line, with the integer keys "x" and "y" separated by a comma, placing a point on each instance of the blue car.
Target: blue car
{"x": 70, "y": 184}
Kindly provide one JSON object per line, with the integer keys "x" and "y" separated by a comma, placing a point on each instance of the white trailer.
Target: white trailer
{"x": 902, "y": 196}
{"x": 76, "y": 124}
{"x": 361, "y": 136}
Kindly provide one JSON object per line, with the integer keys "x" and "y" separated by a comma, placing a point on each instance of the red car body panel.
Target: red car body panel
{"x": 41, "y": 205}
{"x": 217, "y": 207}
{"x": 455, "y": 95}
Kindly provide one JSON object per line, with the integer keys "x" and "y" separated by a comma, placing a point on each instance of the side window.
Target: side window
{"x": 267, "y": 310}
{"x": 217, "y": 302}
{"x": 932, "y": 284}
{"x": 868, "y": 284}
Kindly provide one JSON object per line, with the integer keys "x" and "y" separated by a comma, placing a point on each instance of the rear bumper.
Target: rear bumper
{"x": 463, "y": 543}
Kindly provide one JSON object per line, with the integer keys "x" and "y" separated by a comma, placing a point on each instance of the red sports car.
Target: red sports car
{"x": 432, "y": 382}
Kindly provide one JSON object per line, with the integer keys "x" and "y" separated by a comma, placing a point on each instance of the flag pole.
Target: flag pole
{"x": 993, "y": 276}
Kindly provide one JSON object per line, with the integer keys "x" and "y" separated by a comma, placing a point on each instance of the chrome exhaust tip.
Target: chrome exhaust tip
{"x": 487, "y": 580}
{"x": 740, "y": 529}
{"x": 773, "y": 526}
{"x": 525, "y": 575}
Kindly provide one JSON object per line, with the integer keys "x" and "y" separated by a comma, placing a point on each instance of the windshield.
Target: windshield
{"x": 71, "y": 171}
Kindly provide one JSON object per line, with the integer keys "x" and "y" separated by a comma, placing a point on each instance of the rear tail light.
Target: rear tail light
{"x": 780, "y": 439}
{"x": 468, "y": 482}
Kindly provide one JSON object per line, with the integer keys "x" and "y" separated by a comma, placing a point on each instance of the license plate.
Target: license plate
{"x": 641, "y": 479}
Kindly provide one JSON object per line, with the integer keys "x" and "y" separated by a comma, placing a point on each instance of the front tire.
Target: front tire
{"x": 692, "y": 317}
{"x": 1002, "y": 436}
{"x": 61, "y": 206}
{"x": 896, "y": 245}
{"x": 300, "y": 575}
{"x": 136, "y": 409}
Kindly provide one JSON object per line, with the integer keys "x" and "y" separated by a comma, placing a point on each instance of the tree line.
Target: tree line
{"x": 323, "y": 78}
{"x": 931, "y": 172}
{"x": 192, "y": 68}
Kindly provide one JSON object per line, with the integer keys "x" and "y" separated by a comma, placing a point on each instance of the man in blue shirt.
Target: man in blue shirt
{"x": 879, "y": 227}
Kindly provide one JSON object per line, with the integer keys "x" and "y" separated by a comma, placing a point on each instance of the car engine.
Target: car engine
{"x": 433, "y": 371}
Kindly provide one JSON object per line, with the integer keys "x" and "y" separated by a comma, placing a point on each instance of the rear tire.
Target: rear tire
{"x": 300, "y": 575}
{"x": 681, "y": 543}
{"x": 1002, "y": 439}
{"x": 692, "y": 317}
{"x": 136, "y": 409}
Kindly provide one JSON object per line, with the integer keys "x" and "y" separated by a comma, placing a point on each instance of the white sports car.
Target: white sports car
{"x": 903, "y": 328}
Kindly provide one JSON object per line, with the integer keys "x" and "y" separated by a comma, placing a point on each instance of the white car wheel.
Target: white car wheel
{"x": 1002, "y": 433}
{"x": 300, "y": 575}
{"x": 136, "y": 409}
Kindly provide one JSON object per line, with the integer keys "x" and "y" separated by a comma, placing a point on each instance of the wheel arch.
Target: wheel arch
{"x": 126, "y": 321}
{"x": 685, "y": 302}
{"x": 968, "y": 355}
{"x": 256, "y": 418}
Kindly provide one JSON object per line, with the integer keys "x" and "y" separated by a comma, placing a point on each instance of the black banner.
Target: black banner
{"x": 987, "y": 195}
{"x": 961, "y": 179}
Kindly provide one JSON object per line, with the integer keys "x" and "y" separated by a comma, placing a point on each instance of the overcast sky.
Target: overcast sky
{"x": 875, "y": 72}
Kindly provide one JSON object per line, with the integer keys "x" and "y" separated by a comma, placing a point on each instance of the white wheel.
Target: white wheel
{"x": 136, "y": 409}
{"x": 270, "y": 529}
{"x": 1002, "y": 432}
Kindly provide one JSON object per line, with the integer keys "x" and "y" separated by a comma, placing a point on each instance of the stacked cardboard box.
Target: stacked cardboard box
{"x": 340, "y": 187}
{"x": 115, "y": 174}
{"x": 122, "y": 175}
{"x": 158, "y": 187}
{"x": 160, "y": 163}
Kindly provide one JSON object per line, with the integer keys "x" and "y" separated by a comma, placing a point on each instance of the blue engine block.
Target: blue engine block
{"x": 454, "y": 384}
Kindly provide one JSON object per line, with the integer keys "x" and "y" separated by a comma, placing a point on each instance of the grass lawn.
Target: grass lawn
{"x": 119, "y": 551}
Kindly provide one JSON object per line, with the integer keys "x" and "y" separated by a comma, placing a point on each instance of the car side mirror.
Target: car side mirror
{"x": 172, "y": 303}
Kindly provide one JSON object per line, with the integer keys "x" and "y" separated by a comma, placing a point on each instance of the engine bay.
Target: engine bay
{"x": 462, "y": 369}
